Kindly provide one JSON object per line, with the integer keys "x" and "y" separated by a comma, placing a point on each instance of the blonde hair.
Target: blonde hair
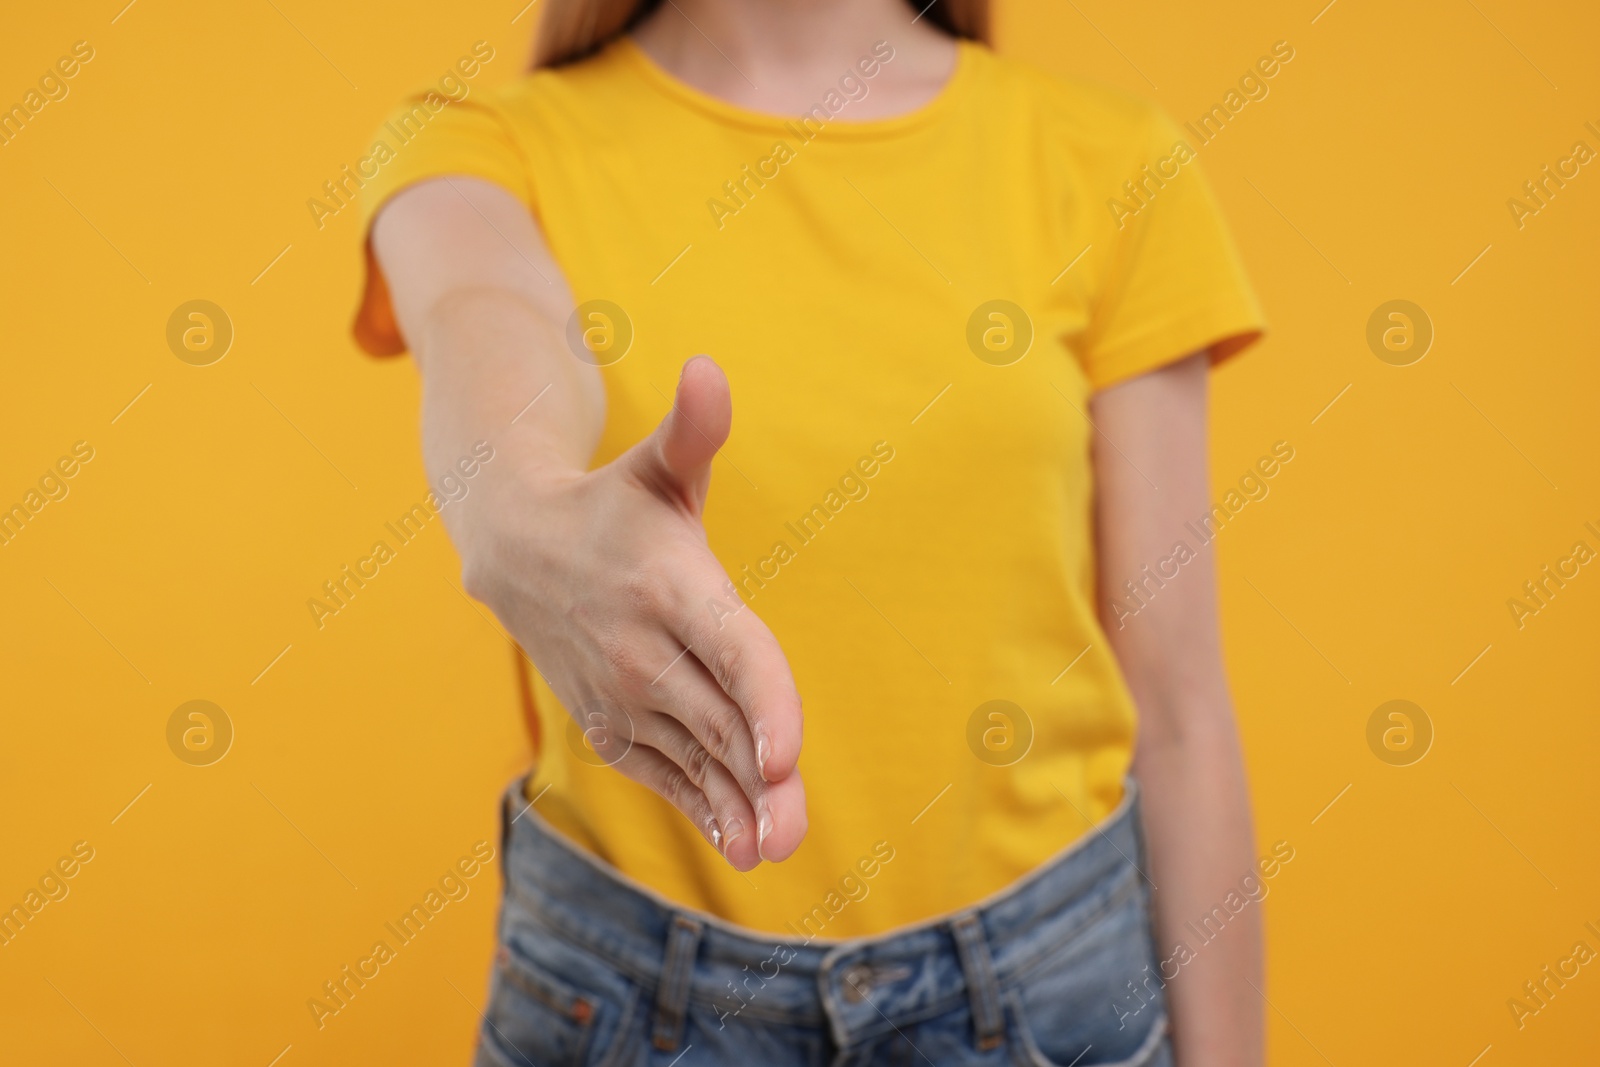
{"x": 572, "y": 29}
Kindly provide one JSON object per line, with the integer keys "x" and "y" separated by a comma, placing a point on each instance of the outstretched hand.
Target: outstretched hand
{"x": 606, "y": 579}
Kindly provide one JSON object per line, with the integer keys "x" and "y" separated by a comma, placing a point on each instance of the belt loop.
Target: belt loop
{"x": 982, "y": 986}
{"x": 1135, "y": 818}
{"x": 672, "y": 988}
{"x": 506, "y": 819}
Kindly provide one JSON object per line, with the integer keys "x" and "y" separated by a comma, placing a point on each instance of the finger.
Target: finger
{"x": 653, "y": 770}
{"x": 745, "y": 659}
{"x": 787, "y": 802}
{"x": 734, "y": 812}
{"x": 676, "y": 458}
{"x": 682, "y": 689}
{"x": 694, "y": 699}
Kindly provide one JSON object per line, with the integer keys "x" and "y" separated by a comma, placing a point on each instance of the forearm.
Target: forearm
{"x": 494, "y": 368}
{"x": 1201, "y": 847}
{"x": 483, "y": 306}
{"x": 1187, "y": 758}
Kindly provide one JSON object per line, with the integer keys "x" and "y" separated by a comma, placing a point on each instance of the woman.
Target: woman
{"x": 965, "y": 312}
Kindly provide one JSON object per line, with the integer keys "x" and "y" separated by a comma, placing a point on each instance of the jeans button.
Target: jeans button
{"x": 857, "y": 982}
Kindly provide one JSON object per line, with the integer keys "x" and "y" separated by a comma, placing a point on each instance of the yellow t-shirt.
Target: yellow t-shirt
{"x": 906, "y": 497}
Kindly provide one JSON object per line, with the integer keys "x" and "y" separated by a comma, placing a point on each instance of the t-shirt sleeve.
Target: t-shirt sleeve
{"x": 1174, "y": 285}
{"x": 425, "y": 139}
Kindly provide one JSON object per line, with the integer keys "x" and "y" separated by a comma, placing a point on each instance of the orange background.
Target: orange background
{"x": 369, "y": 757}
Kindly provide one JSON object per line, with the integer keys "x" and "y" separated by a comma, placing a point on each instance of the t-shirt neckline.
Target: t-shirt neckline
{"x": 734, "y": 114}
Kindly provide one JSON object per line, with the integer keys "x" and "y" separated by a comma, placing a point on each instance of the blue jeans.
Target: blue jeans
{"x": 1059, "y": 969}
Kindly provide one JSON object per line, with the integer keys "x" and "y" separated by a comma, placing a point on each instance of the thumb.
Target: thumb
{"x": 676, "y": 458}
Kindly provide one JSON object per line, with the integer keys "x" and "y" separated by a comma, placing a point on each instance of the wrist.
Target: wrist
{"x": 505, "y": 502}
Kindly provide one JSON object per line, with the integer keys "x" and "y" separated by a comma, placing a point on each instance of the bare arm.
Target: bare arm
{"x": 603, "y": 576}
{"x": 482, "y": 306}
{"x": 1188, "y": 761}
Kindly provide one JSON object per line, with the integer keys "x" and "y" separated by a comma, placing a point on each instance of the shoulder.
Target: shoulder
{"x": 1070, "y": 112}
{"x": 588, "y": 86}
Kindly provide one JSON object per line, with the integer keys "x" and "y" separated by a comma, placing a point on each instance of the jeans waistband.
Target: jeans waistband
{"x": 862, "y": 987}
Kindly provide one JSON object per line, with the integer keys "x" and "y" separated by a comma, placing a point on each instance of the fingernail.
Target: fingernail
{"x": 763, "y": 750}
{"x": 716, "y": 834}
{"x": 735, "y": 831}
{"x": 763, "y": 829}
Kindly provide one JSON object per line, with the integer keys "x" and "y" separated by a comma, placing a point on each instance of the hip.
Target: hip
{"x": 594, "y": 969}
